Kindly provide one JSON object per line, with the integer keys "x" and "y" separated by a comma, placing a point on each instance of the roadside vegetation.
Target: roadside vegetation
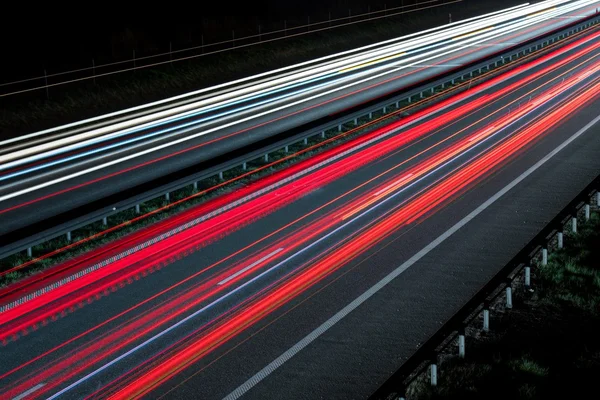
{"x": 546, "y": 347}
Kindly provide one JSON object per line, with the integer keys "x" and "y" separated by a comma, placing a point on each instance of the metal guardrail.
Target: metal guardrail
{"x": 416, "y": 92}
{"x": 535, "y": 252}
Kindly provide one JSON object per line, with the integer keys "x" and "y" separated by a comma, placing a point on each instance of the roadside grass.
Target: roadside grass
{"x": 66, "y": 103}
{"x": 546, "y": 347}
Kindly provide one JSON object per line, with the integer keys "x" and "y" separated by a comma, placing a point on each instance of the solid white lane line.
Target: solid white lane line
{"x": 308, "y": 339}
{"x": 273, "y": 268}
{"x": 255, "y": 263}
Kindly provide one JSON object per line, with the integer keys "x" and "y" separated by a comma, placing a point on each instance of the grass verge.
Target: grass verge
{"x": 546, "y": 347}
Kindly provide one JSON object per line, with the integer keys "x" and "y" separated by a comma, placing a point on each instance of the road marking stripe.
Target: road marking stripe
{"x": 28, "y": 392}
{"x": 255, "y": 263}
{"x": 279, "y": 361}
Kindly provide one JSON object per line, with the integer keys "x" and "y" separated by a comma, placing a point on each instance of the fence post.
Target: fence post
{"x": 509, "y": 303}
{"x": 560, "y": 239}
{"x": 167, "y": 197}
{"x": 545, "y": 255}
{"x": 29, "y": 252}
{"x": 574, "y": 223}
{"x": 587, "y": 211}
{"x": 46, "y": 80}
{"x": 527, "y": 276}
{"x": 137, "y": 208}
{"x": 486, "y": 316}
{"x": 105, "y": 221}
{"x": 69, "y": 236}
{"x": 433, "y": 370}
{"x": 461, "y": 342}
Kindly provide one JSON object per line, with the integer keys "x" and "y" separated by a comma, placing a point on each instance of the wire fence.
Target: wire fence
{"x": 94, "y": 71}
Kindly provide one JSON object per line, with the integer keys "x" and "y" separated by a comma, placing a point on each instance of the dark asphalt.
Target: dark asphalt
{"x": 347, "y": 361}
{"x": 252, "y": 131}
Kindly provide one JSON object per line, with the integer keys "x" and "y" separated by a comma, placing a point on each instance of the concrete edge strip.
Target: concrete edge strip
{"x": 279, "y": 361}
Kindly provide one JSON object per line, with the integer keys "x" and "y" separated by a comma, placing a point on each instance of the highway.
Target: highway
{"x": 315, "y": 282}
{"x": 55, "y": 173}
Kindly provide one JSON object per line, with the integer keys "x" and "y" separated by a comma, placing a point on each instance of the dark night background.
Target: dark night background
{"x": 63, "y": 36}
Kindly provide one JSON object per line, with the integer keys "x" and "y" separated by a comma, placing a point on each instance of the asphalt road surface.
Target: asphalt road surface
{"x": 59, "y": 186}
{"x": 318, "y": 281}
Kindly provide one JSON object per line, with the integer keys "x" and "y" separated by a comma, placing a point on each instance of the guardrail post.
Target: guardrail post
{"x": 509, "y": 303}
{"x": 167, "y": 197}
{"x": 574, "y": 223}
{"x": 29, "y": 252}
{"x": 221, "y": 175}
{"x": 598, "y": 198}
{"x": 137, "y": 206}
{"x": 370, "y": 115}
{"x": 245, "y": 166}
{"x": 323, "y": 135}
{"x": 69, "y": 236}
{"x": 433, "y": 370}
{"x": 305, "y": 141}
{"x": 286, "y": 148}
{"x": 266, "y": 157}
{"x": 105, "y": 221}
{"x": 384, "y": 109}
{"x": 587, "y": 211}
{"x": 486, "y": 316}
{"x": 560, "y": 239}
{"x": 544, "y": 255}
{"x": 195, "y": 186}
{"x": 527, "y": 276}
{"x": 355, "y": 121}
{"x": 339, "y": 127}
{"x": 461, "y": 342}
